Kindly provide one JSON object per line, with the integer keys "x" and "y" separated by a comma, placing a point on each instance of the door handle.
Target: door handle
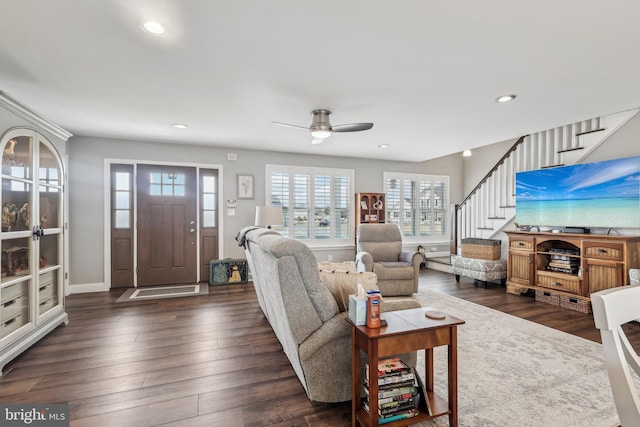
{"x": 37, "y": 232}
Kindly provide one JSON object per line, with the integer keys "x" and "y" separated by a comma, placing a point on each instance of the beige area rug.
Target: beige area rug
{"x": 162, "y": 292}
{"x": 517, "y": 373}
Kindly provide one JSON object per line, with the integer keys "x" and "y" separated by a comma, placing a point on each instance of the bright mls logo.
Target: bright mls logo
{"x": 34, "y": 415}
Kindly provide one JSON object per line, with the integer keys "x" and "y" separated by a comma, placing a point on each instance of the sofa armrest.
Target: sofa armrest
{"x": 331, "y": 330}
{"x": 414, "y": 258}
{"x": 364, "y": 261}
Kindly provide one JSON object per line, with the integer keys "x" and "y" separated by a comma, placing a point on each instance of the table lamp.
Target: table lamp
{"x": 268, "y": 216}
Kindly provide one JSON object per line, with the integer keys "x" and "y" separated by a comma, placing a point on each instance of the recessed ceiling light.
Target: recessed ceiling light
{"x": 153, "y": 27}
{"x": 180, "y": 125}
{"x": 383, "y": 146}
{"x": 466, "y": 153}
{"x": 505, "y": 98}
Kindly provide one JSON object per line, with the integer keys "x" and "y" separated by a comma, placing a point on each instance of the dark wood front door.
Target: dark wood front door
{"x": 167, "y": 228}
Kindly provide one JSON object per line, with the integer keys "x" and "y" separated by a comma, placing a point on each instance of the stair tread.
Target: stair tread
{"x": 570, "y": 149}
{"x": 590, "y": 131}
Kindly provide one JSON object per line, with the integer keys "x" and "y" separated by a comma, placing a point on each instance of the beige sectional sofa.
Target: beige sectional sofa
{"x": 303, "y": 312}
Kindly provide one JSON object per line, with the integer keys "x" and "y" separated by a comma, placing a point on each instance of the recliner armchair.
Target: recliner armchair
{"x": 379, "y": 249}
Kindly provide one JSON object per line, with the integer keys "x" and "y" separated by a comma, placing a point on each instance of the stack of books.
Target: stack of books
{"x": 563, "y": 264}
{"x": 398, "y": 392}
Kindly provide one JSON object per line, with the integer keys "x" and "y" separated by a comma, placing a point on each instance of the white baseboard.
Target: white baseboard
{"x": 440, "y": 267}
{"x": 87, "y": 287}
{"x": 437, "y": 254}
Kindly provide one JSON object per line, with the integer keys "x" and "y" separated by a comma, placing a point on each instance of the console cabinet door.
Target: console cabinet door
{"x": 521, "y": 268}
{"x": 601, "y": 274}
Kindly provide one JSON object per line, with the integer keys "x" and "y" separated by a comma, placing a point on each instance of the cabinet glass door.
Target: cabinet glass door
{"x": 16, "y": 269}
{"x": 48, "y": 229}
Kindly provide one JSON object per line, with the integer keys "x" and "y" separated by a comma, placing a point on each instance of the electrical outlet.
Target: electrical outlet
{"x": 434, "y": 249}
{"x": 329, "y": 257}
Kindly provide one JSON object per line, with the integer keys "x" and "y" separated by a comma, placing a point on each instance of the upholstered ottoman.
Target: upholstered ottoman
{"x": 479, "y": 269}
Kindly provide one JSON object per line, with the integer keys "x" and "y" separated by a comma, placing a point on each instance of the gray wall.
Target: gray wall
{"x": 87, "y": 188}
{"x": 624, "y": 143}
{"x": 482, "y": 160}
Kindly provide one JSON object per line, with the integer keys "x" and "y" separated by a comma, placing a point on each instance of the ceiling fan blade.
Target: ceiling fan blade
{"x": 290, "y": 126}
{"x": 352, "y": 127}
{"x": 316, "y": 141}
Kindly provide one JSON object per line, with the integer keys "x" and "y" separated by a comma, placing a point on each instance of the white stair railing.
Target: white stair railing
{"x": 490, "y": 207}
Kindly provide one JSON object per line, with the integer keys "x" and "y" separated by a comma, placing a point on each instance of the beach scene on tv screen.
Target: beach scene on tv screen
{"x": 600, "y": 194}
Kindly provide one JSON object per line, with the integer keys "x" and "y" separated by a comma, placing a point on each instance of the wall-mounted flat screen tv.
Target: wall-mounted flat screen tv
{"x": 601, "y": 194}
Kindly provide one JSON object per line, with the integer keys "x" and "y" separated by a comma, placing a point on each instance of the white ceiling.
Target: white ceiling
{"x": 425, "y": 72}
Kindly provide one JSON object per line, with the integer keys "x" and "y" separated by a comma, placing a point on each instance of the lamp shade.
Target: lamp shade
{"x": 268, "y": 216}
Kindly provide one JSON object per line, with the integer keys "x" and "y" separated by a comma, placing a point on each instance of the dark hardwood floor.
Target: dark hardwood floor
{"x": 203, "y": 361}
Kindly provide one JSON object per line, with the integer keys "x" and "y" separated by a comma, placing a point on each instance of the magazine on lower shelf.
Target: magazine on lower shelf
{"x": 396, "y": 417}
{"x": 390, "y": 367}
{"x": 398, "y": 414}
{"x": 398, "y": 393}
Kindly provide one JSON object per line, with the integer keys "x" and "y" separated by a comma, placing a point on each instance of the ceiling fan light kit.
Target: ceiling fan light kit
{"x": 321, "y": 128}
{"x": 320, "y": 133}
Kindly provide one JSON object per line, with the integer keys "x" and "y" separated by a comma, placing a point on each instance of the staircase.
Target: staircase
{"x": 490, "y": 207}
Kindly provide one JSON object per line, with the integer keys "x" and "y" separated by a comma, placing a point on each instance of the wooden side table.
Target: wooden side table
{"x": 406, "y": 331}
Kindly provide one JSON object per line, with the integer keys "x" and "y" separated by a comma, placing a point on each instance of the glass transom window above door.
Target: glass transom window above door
{"x": 166, "y": 184}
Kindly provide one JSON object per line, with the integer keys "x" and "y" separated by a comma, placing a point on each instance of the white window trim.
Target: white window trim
{"x": 418, "y": 177}
{"x": 310, "y": 170}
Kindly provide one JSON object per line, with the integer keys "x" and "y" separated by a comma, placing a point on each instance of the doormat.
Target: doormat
{"x": 162, "y": 292}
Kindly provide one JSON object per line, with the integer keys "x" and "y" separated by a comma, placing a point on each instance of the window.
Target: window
{"x": 418, "y": 204}
{"x": 49, "y": 176}
{"x": 122, "y": 201}
{"x": 166, "y": 184}
{"x": 316, "y": 202}
{"x": 209, "y": 196}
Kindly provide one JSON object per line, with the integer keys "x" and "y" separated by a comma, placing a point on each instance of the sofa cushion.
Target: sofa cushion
{"x": 398, "y": 264}
{"x": 393, "y": 271}
{"x": 337, "y": 266}
{"x": 341, "y": 284}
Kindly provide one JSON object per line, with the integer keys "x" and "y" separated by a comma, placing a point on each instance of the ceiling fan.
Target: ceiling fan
{"x": 321, "y": 128}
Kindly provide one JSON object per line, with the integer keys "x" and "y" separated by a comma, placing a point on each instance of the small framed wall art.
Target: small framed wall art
{"x": 245, "y": 186}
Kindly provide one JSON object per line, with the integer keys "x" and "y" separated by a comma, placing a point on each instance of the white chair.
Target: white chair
{"x": 611, "y": 309}
{"x": 634, "y": 276}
